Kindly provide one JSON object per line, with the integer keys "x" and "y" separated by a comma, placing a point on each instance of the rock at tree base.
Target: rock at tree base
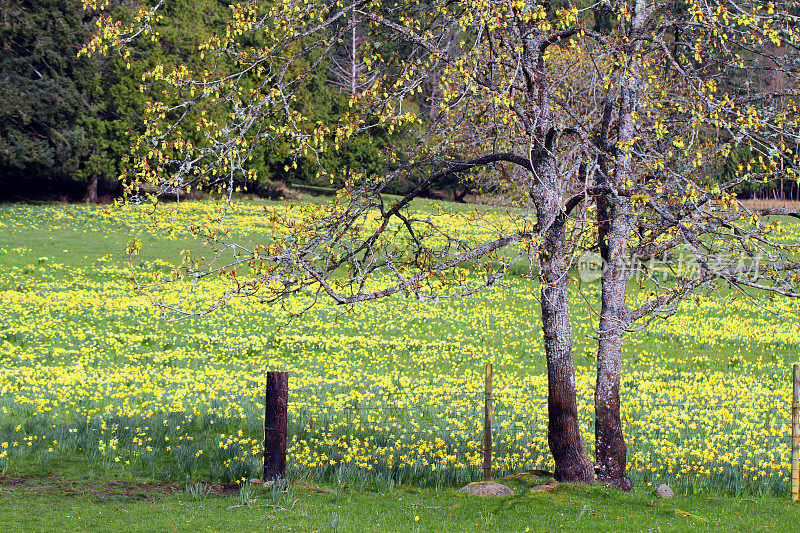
{"x": 487, "y": 489}
{"x": 663, "y": 491}
{"x": 550, "y": 486}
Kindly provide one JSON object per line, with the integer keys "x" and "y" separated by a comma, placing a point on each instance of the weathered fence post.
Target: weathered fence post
{"x": 795, "y": 432}
{"x": 275, "y": 408}
{"x": 487, "y": 424}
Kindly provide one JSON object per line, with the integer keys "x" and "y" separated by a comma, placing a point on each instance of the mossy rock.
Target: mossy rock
{"x": 487, "y": 488}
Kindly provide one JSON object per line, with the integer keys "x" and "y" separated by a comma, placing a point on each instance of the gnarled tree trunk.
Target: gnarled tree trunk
{"x": 563, "y": 435}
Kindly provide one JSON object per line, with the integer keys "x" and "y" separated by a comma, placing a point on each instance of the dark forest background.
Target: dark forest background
{"x": 66, "y": 123}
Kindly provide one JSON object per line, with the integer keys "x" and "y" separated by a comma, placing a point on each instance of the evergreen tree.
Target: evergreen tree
{"x": 44, "y": 87}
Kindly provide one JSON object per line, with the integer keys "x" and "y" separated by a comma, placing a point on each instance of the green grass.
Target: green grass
{"x": 46, "y": 501}
{"x": 69, "y": 312}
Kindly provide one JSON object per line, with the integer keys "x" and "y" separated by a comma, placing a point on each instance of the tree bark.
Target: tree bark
{"x": 91, "y": 189}
{"x": 547, "y": 191}
{"x": 563, "y": 434}
{"x": 614, "y": 231}
{"x": 610, "y": 447}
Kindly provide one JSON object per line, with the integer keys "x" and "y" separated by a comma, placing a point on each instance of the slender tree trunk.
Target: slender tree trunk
{"x": 610, "y": 448}
{"x": 615, "y": 223}
{"x": 91, "y": 189}
{"x": 353, "y": 61}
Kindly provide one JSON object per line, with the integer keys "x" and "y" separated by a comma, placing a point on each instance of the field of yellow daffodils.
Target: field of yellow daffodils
{"x": 390, "y": 390}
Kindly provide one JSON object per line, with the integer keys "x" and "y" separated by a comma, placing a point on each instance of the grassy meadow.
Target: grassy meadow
{"x": 388, "y": 394}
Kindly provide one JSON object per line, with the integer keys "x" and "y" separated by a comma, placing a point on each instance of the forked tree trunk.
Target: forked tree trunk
{"x": 547, "y": 193}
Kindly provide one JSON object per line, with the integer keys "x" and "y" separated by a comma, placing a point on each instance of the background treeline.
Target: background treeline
{"x": 67, "y": 123}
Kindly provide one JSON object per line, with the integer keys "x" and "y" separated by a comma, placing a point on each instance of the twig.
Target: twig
{"x": 278, "y": 507}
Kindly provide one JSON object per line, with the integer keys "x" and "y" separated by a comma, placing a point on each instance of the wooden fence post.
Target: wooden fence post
{"x": 487, "y": 424}
{"x": 275, "y": 409}
{"x": 795, "y": 432}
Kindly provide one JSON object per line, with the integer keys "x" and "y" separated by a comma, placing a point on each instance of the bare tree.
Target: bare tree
{"x": 495, "y": 107}
{"x": 348, "y": 69}
{"x": 672, "y": 106}
{"x": 601, "y": 137}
